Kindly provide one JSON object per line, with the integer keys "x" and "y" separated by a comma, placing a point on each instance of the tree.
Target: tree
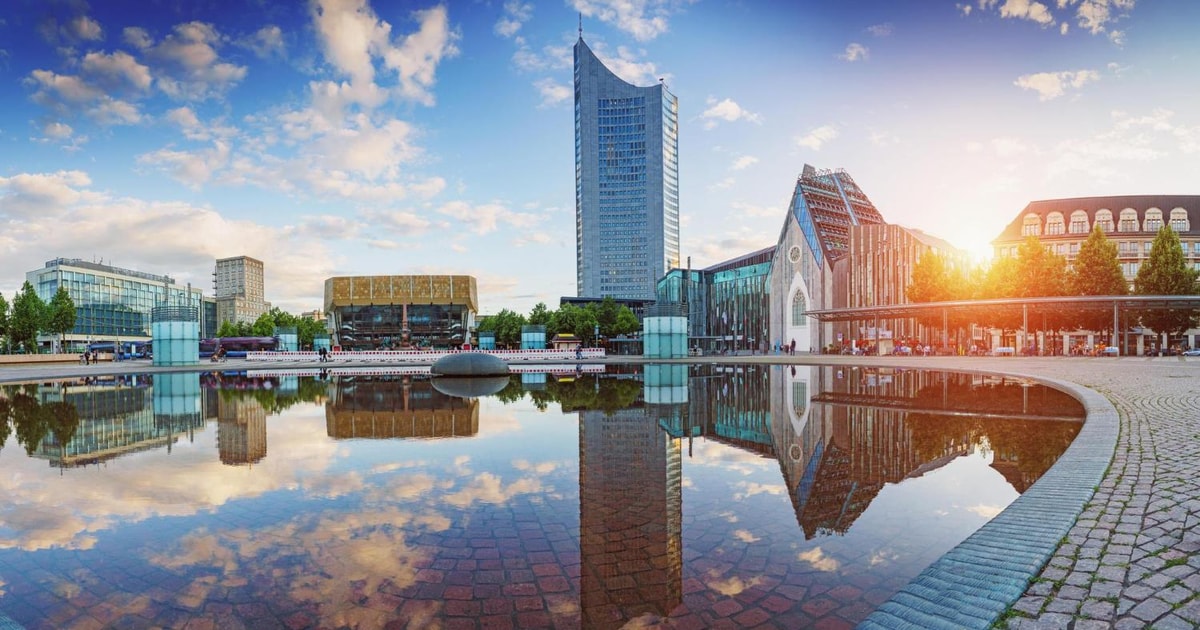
{"x": 3, "y": 318}
{"x": 60, "y": 317}
{"x": 227, "y": 329}
{"x": 933, "y": 280}
{"x": 577, "y": 321}
{"x": 1166, "y": 272}
{"x": 506, "y": 325}
{"x": 264, "y": 326}
{"x": 542, "y": 316}
{"x": 1040, "y": 272}
{"x": 28, "y": 315}
{"x": 1097, "y": 271}
{"x": 627, "y": 322}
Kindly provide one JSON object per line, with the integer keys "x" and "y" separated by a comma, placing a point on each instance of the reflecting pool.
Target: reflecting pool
{"x": 674, "y": 495}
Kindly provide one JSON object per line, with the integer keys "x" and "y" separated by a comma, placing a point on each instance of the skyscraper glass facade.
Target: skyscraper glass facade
{"x": 110, "y": 302}
{"x": 626, "y": 182}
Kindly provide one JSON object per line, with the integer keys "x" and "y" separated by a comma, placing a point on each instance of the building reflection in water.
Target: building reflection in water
{"x": 630, "y": 506}
{"x": 96, "y": 421}
{"x": 842, "y": 433}
{"x": 388, "y": 407}
{"x": 241, "y": 430}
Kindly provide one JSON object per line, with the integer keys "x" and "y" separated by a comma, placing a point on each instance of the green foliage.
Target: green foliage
{"x": 934, "y": 280}
{"x": 1097, "y": 270}
{"x": 507, "y": 326}
{"x": 3, "y": 316}
{"x": 1166, "y": 272}
{"x": 264, "y": 326}
{"x": 28, "y": 317}
{"x": 60, "y": 317}
{"x": 1040, "y": 272}
{"x": 627, "y": 322}
{"x": 571, "y": 319}
{"x": 227, "y": 329}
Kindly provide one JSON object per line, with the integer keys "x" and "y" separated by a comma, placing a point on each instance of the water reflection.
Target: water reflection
{"x": 383, "y": 498}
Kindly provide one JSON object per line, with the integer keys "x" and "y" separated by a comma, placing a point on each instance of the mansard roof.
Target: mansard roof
{"x": 1115, "y": 204}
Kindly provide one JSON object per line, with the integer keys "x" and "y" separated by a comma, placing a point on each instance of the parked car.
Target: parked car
{"x": 1110, "y": 351}
{"x": 1194, "y": 352}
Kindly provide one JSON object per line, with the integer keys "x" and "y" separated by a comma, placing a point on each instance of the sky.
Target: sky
{"x": 350, "y": 137}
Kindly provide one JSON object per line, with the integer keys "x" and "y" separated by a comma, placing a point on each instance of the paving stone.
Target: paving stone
{"x": 1150, "y": 609}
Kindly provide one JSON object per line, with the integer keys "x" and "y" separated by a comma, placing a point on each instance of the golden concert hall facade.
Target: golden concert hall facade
{"x": 393, "y": 312}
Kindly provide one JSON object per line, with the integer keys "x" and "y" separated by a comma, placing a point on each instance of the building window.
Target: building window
{"x": 1147, "y": 245}
{"x": 1129, "y": 220}
{"x": 1032, "y": 225}
{"x": 1104, "y": 219}
{"x": 1179, "y": 220}
{"x": 1054, "y": 224}
{"x": 1154, "y": 220}
{"x": 1079, "y": 222}
{"x": 799, "y": 307}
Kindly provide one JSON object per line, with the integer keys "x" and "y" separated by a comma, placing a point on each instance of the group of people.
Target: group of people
{"x": 88, "y": 357}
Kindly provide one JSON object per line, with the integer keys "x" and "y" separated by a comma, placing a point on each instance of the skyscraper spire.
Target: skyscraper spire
{"x": 581, "y": 25}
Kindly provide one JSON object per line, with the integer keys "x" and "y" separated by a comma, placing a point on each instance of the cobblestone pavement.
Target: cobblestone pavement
{"x": 1132, "y": 558}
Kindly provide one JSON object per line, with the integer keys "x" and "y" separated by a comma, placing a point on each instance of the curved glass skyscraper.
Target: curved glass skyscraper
{"x": 626, "y": 182}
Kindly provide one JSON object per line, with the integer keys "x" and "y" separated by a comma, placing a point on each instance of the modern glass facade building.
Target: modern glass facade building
{"x": 626, "y": 182}
{"x": 727, "y": 303}
{"x": 111, "y": 303}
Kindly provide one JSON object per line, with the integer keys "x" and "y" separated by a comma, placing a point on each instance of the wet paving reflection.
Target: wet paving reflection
{"x": 679, "y": 496}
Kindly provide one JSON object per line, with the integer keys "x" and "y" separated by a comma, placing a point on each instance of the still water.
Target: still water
{"x": 670, "y": 496}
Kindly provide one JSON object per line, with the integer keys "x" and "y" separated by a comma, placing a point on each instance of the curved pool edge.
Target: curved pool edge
{"x": 974, "y": 583}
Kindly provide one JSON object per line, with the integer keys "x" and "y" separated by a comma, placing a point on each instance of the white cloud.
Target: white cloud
{"x": 881, "y": 30}
{"x": 855, "y": 52}
{"x": 1027, "y": 10}
{"x": 33, "y": 195}
{"x": 626, "y": 66}
{"x": 137, "y": 37}
{"x": 516, "y": 13}
{"x": 1094, "y": 16}
{"x": 193, "y": 168}
{"x": 1131, "y": 139}
{"x": 1117, "y": 37}
{"x": 722, "y": 184}
{"x": 57, "y": 130}
{"x": 643, "y": 19}
{"x": 965, "y": 9}
{"x": 1051, "y": 85}
{"x": 816, "y": 138}
{"x": 553, "y": 92}
{"x": 727, "y": 110}
{"x": 352, "y": 36}
{"x": 59, "y": 212}
{"x": 186, "y": 63}
{"x": 265, "y": 42}
{"x": 742, "y": 162}
{"x": 485, "y": 218}
{"x": 117, "y": 71}
{"x": 751, "y": 210}
{"x": 85, "y": 28}
{"x": 883, "y": 138}
{"x": 1063, "y": 28}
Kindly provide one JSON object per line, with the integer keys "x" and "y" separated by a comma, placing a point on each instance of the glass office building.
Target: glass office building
{"x": 626, "y": 182}
{"x": 111, "y": 303}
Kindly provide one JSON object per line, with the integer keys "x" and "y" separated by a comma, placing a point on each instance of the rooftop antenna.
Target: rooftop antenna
{"x": 581, "y": 25}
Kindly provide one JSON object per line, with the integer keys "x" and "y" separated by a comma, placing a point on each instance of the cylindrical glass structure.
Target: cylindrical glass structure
{"x": 175, "y": 331}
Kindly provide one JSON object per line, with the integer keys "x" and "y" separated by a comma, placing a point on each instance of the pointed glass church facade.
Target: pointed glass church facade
{"x": 626, "y": 182}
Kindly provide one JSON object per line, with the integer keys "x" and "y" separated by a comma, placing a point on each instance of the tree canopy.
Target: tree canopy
{"x": 60, "y": 316}
{"x": 1166, "y": 272}
{"x": 28, "y": 317}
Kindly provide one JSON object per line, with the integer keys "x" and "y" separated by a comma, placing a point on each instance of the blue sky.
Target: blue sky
{"x": 341, "y": 137}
